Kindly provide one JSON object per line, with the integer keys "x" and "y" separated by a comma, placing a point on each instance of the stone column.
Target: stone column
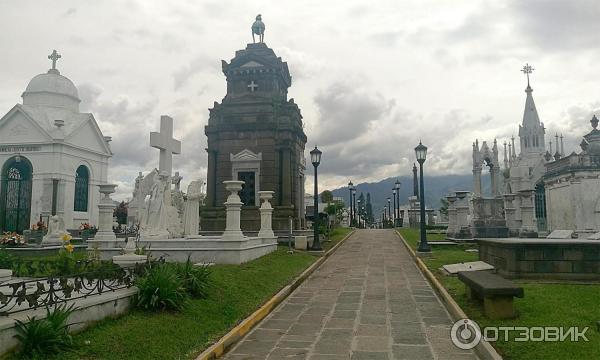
{"x": 286, "y": 177}
{"x": 462, "y": 214}
{"x": 106, "y": 208}
{"x": 528, "y": 225}
{"x": 477, "y": 182}
{"x": 452, "y": 224}
{"x": 495, "y": 175}
{"x": 510, "y": 214}
{"x": 266, "y": 215}
{"x": 233, "y": 208}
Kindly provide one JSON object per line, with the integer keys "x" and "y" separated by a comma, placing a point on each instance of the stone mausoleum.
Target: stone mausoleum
{"x": 256, "y": 135}
{"x": 52, "y": 156}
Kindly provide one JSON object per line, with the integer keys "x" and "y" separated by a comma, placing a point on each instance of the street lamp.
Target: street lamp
{"x": 395, "y": 212}
{"x": 390, "y": 217}
{"x": 358, "y": 213}
{"x": 397, "y": 187}
{"x": 350, "y": 187}
{"x": 354, "y": 201}
{"x": 315, "y": 158}
{"x": 421, "y": 153}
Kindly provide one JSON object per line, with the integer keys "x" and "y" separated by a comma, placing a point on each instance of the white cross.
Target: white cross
{"x": 168, "y": 146}
{"x": 253, "y": 86}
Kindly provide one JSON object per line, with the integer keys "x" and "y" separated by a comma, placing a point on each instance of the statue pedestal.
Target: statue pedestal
{"x": 266, "y": 215}
{"x": 233, "y": 209}
{"x": 105, "y": 210}
{"x": 129, "y": 259}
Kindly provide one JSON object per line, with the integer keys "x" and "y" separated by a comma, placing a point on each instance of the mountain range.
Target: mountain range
{"x": 436, "y": 187}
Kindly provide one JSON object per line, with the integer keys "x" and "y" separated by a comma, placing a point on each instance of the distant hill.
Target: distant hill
{"x": 436, "y": 187}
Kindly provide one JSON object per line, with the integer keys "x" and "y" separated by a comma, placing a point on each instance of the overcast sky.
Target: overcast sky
{"x": 371, "y": 78}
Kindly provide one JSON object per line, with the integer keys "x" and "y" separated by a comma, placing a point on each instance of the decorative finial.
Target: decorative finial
{"x": 54, "y": 57}
{"x": 594, "y": 122}
{"x": 527, "y": 69}
{"x": 258, "y": 28}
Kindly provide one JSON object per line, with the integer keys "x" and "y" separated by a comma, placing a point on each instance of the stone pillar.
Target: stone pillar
{"x": 452, "y": 224}
{"x": 266, "y": 215}
{"x": 286, "y": 177}
{"x": 106, "y": 208}
{"x": 477, "y": 182}
{"x": 462, "y": 215}
{"x": 233, "y": 208}
{"x": 495, "y": 175}
{"x": 528, "y": 224}
{"x": 510, "y": 215}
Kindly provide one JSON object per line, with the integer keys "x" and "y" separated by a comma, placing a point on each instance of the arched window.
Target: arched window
{"x": 82, "y": 179}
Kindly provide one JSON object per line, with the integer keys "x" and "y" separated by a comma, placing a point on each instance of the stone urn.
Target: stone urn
{"x": 233, "y": 207}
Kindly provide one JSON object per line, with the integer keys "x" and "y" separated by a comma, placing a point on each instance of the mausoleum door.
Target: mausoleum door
{"x": 15, "y": 208}
{"x": 248, "y": 192}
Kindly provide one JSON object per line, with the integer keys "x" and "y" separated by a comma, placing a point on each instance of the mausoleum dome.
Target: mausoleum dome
{"x": 52, "y": 89}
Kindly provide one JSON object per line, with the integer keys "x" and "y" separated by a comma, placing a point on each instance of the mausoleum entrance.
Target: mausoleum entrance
{"x": 15, "y": 208}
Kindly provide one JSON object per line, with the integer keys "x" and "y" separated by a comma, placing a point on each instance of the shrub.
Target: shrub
{"x": 161, "y": 288}
{"x": 42, "y": 337}
{"x": 196, "y": 278}
{"x": 6, "y": 259}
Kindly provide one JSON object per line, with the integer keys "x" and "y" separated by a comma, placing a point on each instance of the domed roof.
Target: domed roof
{"x": 52, "y": 89}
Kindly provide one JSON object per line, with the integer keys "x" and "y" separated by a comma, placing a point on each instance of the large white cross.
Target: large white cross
{"x": 252, "y": 86}
{"x": 168, "y": 146}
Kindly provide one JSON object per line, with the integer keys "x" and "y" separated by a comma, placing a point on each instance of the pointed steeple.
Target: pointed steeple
{"x": 531, "y": 131}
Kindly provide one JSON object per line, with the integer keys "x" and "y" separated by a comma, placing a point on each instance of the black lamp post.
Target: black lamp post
{"x": 354, "y": 202}
{"x": 350, "y": 187}
{"x": 421, "y": 152}
{"x": 397, "y": 187}
{"x": 389, "y": 209}
{"x": 395, "y": 212}
{"x": 315, "y": 158}
{"x": 358, "y": 213}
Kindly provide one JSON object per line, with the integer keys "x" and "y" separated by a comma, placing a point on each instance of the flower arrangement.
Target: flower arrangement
{"x": 12, "y": 239}
{"x": 39, "y": 226}
{"x": 85, "y": 226}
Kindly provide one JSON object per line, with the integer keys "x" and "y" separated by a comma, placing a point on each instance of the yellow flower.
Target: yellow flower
{"x": 67, "y": 237}
{"x": 69, "y": 248}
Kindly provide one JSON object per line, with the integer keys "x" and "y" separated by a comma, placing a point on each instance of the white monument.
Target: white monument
{"x": 52, "y": 154}
{"x": 191, "y": 214}
{"x": 56, "y": 230}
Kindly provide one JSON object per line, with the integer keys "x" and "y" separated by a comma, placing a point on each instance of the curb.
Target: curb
{"x": 219, "y": 348}
{"x": 484, "y": 349}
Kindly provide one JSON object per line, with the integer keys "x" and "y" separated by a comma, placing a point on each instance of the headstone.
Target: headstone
{"x": 561, "y": 234}
{"x": 468, "y": 266}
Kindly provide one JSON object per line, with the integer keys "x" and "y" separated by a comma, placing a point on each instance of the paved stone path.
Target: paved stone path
{"x": 367, "y": 301}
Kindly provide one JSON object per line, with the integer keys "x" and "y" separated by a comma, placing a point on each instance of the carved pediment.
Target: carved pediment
{"x": 245, "y": 155}
{"x": 251, "y": 64}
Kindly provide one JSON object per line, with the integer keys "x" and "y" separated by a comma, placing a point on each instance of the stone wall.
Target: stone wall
{"x": 542, "y": 258}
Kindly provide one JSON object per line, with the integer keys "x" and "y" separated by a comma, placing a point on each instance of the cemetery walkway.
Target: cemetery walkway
{"x": 367, "y": 301}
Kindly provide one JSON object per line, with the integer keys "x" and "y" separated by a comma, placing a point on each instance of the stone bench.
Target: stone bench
{"x": 497, "y": 292}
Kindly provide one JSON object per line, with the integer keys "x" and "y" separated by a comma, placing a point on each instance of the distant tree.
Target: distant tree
{"x": 120, "y": 212}
{"x": 326, "y": 197}
{"x": 369, "y": 209}
{"x": 444, "y": 207}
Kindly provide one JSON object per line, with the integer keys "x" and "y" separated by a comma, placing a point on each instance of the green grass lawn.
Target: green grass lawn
{"x": 238, "y": 291}
{"x": 335, "y": 237}
{"x": 543, "y": 305}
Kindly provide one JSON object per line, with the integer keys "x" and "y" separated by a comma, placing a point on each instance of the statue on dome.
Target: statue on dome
{"x": 258, "y": 28}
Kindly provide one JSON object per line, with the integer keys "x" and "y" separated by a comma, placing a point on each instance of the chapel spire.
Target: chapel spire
{"x": 531, "y": 131}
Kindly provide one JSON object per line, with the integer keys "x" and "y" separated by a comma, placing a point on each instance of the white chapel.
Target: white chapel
{"x": 52, "y": 156}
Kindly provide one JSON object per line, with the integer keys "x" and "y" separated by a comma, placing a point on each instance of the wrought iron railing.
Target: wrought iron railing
{"x": 16, "y": 296}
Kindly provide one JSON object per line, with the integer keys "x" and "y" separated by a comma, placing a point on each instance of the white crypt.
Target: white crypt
{"x": 52, "y": 156}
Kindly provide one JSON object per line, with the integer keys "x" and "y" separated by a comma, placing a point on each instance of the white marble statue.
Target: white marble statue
{"x": 153, "y": 211}
{"x": 56, "y": 230}
{"x": 191, "y": 217}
